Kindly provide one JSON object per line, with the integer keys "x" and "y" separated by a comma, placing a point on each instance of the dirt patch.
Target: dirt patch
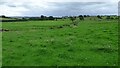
{"x": 4, "y": 30}
{"x": 105, "y": 50}
{"x": 71, "y": 25}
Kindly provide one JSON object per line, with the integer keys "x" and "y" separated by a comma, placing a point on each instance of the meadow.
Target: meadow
{"x": 51, "y": 43}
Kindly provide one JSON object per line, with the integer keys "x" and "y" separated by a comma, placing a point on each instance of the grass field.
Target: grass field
{"x": 44, "y": 43}
{"x": 0, "y": 49}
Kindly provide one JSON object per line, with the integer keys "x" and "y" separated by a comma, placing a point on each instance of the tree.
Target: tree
{"x": 81, "y": 17}
{"x": 51, "y": 18}
{"x": 72, "y": 18}
{"x": 3, "y": 16}
{"x": 99, "y": 17}
{"x": 42, "y": 17}
{"x": 85, "y": 15}
{"x": 88, "y": 15}
{"x": 108, "y": 17}
{"x": 111, "y": 18}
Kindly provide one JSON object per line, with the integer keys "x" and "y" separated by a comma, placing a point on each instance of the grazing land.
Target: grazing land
{"x": 0, "y": 45}
{"x": 60, "y": 43}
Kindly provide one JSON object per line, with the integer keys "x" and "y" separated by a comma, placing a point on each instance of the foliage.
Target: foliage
{"x": 72, "y": 18}
{"x": 99, "y": 17}
{"x": 81, "y": 17}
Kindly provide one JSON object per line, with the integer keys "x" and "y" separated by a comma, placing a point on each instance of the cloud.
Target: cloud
{"x": 57, "y": 7}
{"x": 59, "y": 1}
{"x": 74, "y": 8}
{"x": 12, "y": 10}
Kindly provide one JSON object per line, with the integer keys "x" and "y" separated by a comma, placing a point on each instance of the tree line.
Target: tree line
{"x": 72, "y": 18}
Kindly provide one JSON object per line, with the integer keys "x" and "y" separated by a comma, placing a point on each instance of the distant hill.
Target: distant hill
{"x": 7, "y": 19}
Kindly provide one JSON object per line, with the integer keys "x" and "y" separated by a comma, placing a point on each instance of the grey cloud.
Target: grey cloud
{"x": 67, "y": 8}
{"x": 11, "y": 5}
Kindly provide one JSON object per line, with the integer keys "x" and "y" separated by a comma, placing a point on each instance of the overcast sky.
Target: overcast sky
{"x": 58, "y": 7}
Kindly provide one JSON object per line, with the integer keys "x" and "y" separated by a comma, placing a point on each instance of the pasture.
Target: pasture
{"x": 51, "y": 43}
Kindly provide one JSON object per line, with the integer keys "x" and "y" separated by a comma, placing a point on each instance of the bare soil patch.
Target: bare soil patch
{"x": 2, "y": 30}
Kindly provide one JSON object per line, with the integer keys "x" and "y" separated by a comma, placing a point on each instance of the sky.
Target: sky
{"x": 58, "y": 7}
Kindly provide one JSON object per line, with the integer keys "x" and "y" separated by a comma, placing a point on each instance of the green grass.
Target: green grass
{"x": 34, "y": 43}
{"x": 0, "y": 45}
